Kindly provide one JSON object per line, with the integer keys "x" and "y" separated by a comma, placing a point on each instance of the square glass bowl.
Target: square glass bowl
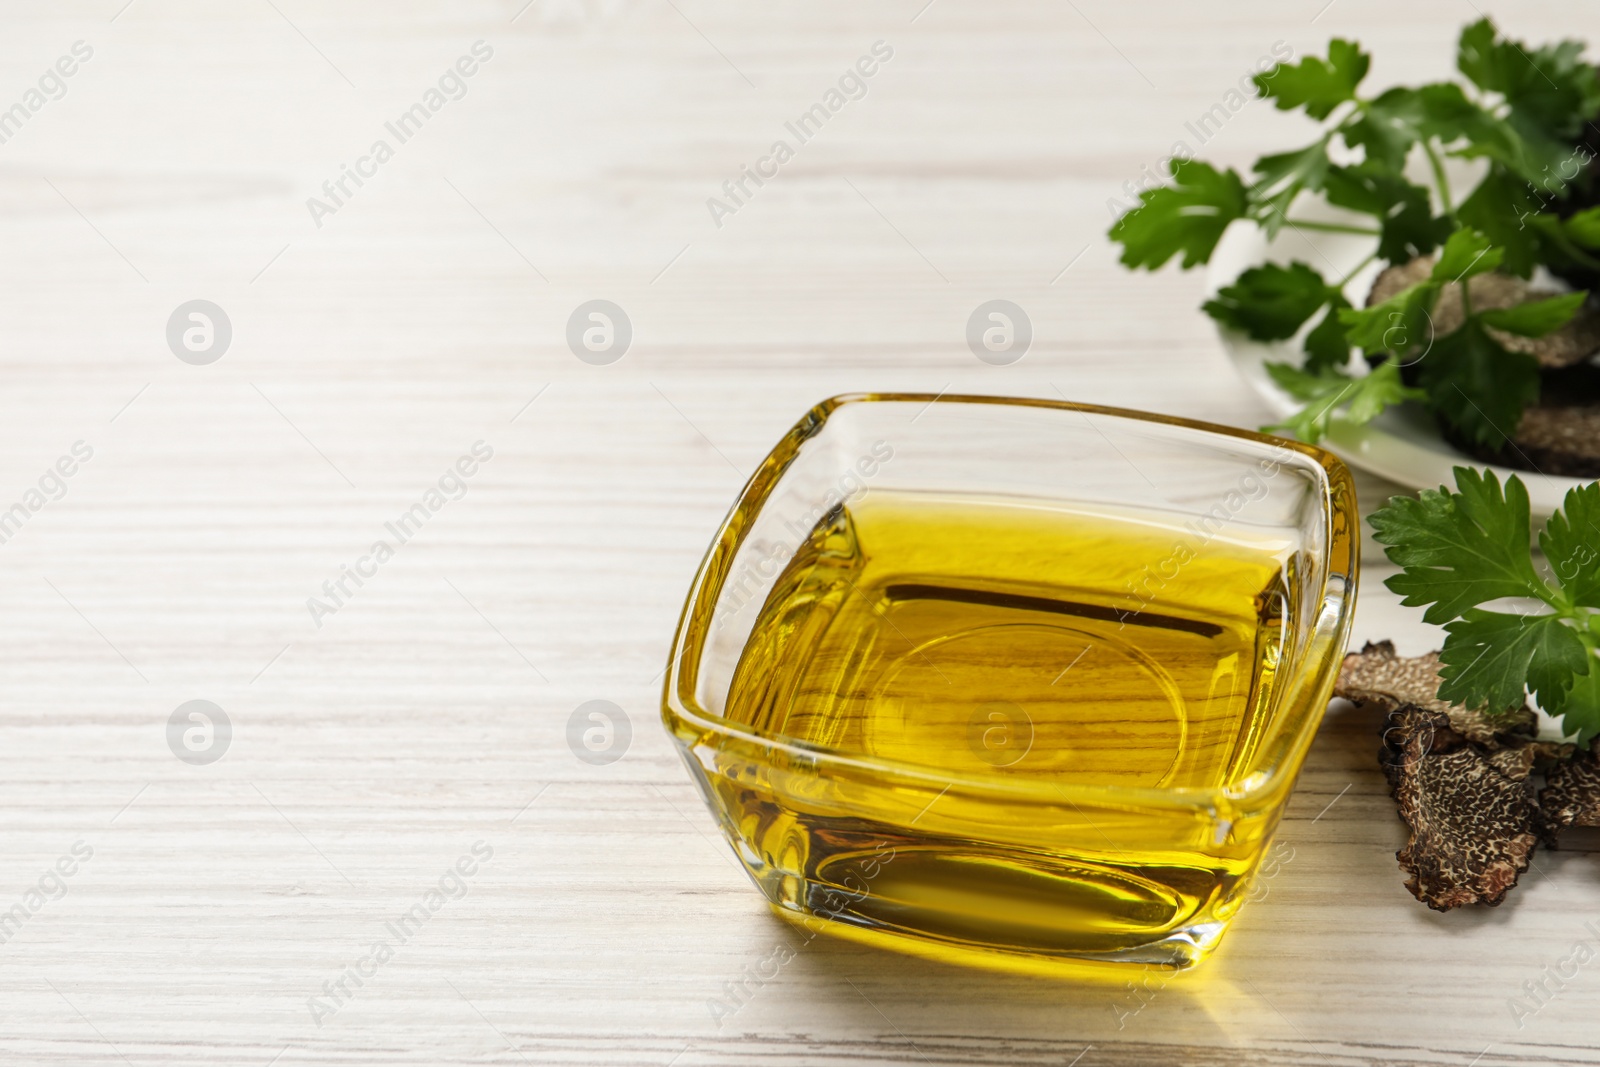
{"x": 1014, "y": 682}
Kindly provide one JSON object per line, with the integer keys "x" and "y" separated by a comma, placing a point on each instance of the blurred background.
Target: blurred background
{"x": 360, "y": 340}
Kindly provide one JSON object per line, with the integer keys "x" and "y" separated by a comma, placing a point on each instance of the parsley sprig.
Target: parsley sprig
{"x": 1459, "y": 551}
{"x": 1521, "y": 108}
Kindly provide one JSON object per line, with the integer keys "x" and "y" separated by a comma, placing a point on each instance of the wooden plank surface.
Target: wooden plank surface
{"x": 428, "y": 714}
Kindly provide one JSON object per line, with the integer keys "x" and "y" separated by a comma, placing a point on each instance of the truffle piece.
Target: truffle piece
{"x": 1558, "y": 439}
{"x": 1376, "y": 675}
{"x": 1379, "y": 675}
{"x": 1559, "y": 435}
{"x": 1522, "y": 760}
{"x": 1460, "y": 778}
{"x": 1464, "y": 782}
{"x": 1571, "y": 796}
{"x": 1573, "y": 343}
{"x": 1473, "y": 829}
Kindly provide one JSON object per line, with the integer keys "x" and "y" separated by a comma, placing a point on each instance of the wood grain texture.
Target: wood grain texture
{"x": 430, "y": 712}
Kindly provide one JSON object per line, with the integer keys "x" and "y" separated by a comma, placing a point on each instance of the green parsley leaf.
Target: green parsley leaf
{"x": 1477, "y": 385}
{"x": 1410, "y": 229}
{"x": 1282, "y": 177}
{"x": 1316, "y": 84}
{"x": 1387, "y": 127}
{"x": 1570, "y": 542}
{"x": 1270, "y": 302}
{"x": 1365, "y": 187}
{"x": 1580, "y": 709}
{"x": 1460, "y": 549}
{"x": 1397, "y": 324}
{"x": 1584, "y": 227}
{"x": 1327, "y": 347}
{"x": 1501, "y": 207}
{"x": 1525, "y": 150}
{"x": 1407, "y": 226}
{"x": 1327, "y": 393}
{"x": 1491, "y": 659}
{"x": 1376, "y": 390}
{"x": 1303, "y": 384}
{"x": 1466, "y": 254}
{"x": 1535, "y": 318}
{"x": 1323, "y": 395}
{"x": 1187, "y": 216}
{"x": 1550, "y": 88}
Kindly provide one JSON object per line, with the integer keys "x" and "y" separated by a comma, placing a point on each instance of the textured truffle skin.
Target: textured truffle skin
{"x": 1571, "y": 796}
{"x": 1461, "y": 781}
{"x": 1553, "y": 438}
{"x": 1377, "y": 675}
{"x": 1573, "y": 343}
{"x": 1473, "y": 828}
{"x": 1560, "y": 434}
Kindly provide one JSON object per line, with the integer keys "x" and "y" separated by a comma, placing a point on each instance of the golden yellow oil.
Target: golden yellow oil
{"x": 971, "y": 635}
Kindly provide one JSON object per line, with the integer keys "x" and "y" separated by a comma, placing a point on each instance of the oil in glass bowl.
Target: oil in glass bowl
{"x": 977, "y": 635}
{"x": 1006, "y": 707}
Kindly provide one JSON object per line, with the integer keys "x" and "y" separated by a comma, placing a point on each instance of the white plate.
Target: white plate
{"x": 1401, "y": 444}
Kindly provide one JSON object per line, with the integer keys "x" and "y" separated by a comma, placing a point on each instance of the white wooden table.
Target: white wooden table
{"x": 429, "y": 711}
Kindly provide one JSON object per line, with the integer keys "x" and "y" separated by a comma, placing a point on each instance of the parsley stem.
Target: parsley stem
{"x": 1439, "y": 178}
{"x": 1353, "y": 271}
{"x": 1331, "y": 227}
